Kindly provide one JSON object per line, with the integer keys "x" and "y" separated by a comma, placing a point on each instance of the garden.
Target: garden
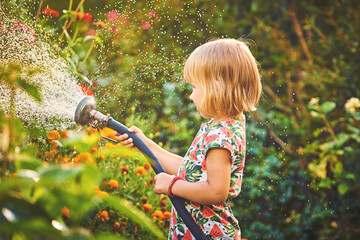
{"x": 59, "y": 180}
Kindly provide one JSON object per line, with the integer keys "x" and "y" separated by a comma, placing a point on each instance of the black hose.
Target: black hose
{"x": 177, "y": 202}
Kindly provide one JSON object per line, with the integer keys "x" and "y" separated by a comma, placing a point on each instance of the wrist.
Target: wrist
{"x": 173, "y": 181}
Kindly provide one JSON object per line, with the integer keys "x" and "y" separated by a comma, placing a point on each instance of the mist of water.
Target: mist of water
{"x": 60, "y": 94}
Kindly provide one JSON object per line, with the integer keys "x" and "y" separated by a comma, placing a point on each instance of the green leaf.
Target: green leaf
{"x": 32, "y": 90}
{"x": 327, "y": 106}
{"x": 315, "y": 114}
{"x": 81, "y": 142}
{"x": 343, "y": 188}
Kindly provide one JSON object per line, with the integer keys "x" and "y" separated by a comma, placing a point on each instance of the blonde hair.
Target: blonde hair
{"x": 228, "y": 74}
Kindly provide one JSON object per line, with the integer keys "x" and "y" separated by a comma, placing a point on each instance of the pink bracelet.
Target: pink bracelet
{"x": 171, "y": 186}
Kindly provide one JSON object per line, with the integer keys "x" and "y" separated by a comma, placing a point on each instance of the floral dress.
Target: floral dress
{"x": 216, "y": 221}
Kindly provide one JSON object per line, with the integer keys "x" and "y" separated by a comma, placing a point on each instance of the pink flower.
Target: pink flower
{"x": 24, "y": 28}
{"x": 153, "y": 14}
{"x": 112, "y": 16}
{"x": 145, "y": 25}
{"x": 91, "y": 32}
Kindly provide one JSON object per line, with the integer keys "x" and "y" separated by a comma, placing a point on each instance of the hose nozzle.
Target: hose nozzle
{"x": 86, "y": 112}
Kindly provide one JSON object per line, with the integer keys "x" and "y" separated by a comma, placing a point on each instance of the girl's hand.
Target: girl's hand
{"x": 162, "y": 182}
{"x": 128, "y": 142}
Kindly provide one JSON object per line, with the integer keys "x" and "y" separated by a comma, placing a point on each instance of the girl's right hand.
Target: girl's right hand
{"x": 128, "y": 142}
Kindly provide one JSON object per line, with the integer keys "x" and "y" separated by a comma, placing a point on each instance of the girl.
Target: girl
{"x": 226, "y": 82}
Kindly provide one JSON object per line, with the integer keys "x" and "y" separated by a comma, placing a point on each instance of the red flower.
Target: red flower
{"x": 85, "y": 90}
{"x": 87, "y": 17}
{"x": 50, "y": 12}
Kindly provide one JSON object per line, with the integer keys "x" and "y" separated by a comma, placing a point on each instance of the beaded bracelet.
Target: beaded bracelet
{"x": 171, "y": 186}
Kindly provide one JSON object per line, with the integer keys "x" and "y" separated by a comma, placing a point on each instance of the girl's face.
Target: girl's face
{"x": 197, "y": 96}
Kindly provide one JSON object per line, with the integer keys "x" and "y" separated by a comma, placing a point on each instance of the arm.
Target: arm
{"x": 213, "y": 191}
{"x": 169, "y": 161}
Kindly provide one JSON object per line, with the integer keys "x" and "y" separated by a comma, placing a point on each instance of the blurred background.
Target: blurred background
{"x": 301, "y": 179}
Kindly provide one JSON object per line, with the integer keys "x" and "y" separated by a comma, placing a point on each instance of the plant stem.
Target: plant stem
{"x": 87, "y": 54}
{"x": 38, "y": 11}
{"x": 328, "y": 127}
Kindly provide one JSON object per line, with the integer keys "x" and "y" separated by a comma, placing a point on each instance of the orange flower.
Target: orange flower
{"x": 116, "y": 226}
{"x": 147, "y": 207}
{"x": 83, "y": 157}
{"x": 108, "y": 132}
{"x": 157, "y": 215}
{"x": 12, "y": 175}
{"x": 140, "y": 170}
{"x": 64, "y": 133}
{"x": 99, "y": 23}
{"x": 65, "y": 212}
{"x": 163, "y": 202}
{"x": 147, "y": 166}
{"x": 125, "y": 169}
{"x": 66, "y": 160}
{"x": 99, "y": 192}
{"x": 104, "y": 215}
{"x": 53, "y": 135}
{"x": 167, "y": 214}
{"x": 113, "y": 184}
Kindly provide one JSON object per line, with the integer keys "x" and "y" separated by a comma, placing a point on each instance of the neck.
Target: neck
{"x": 222, "y": 118}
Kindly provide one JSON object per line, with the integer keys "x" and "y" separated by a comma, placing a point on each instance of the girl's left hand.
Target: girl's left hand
{"x": 162, "y": 182}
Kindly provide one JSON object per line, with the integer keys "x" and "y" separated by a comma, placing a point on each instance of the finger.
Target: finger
{"x": 116, "y": 133}
{"x": 123, "y": 137}
{"x": 128, "y": 141}
{"x": 132, "y": 129}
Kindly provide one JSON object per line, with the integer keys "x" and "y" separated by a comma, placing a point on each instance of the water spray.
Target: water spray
{"x": 86, "y": 113}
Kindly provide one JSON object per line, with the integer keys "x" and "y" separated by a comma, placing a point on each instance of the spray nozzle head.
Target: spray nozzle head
{"x": 83, "y": 114}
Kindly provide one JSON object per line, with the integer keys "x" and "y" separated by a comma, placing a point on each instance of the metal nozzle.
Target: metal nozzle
{"x": 86, "y": 113}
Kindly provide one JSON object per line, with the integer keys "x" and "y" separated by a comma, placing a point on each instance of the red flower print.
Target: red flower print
{"x": 174, "y": 219}
{"x": 227, "y": 132}
{"x": 216, "y": 232}
{"x": 193, "y": 153}
{"x": 187, "y": 235}
{"x": 224, "y": 218}
{"x": 211, "y": 138}
{"x": 196, "y": 140}
{"x": 229, "y": 147}
{"x": 238, "y": 143}
{"x": 208, "y": 212}
{"x": 182, "y": 173}
{"x": 203, "y": 165}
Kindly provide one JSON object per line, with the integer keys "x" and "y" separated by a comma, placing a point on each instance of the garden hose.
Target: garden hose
{"x": 86, "y": 113}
